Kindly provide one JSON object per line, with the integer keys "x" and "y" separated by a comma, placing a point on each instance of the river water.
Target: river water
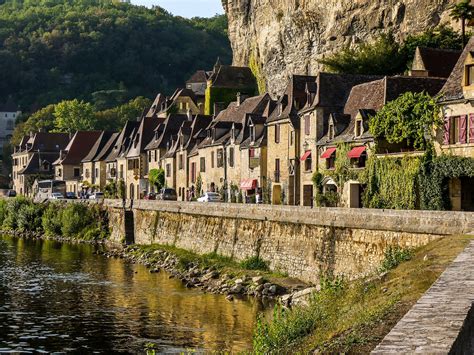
{"x": 61, "y": 297}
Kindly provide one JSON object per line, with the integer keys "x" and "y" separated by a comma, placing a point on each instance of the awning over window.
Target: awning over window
{"x": 328, "y": 153}
{"x": 306, "y": 155}
{"x": 356, "y": 152}
{"x": 249, "y": 184}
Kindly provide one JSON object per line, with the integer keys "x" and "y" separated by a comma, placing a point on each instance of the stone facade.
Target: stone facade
{"x": 305, "y": 243}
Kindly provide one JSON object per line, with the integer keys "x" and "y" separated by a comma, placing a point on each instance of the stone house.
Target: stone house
{"x": 137, "y": 159}
{"x": 198, "y": 84}
{"x": 224, "y": 83}
{"x": 327, "y": 94}
{"x": 94, "y": 165}
{"x": 9, "y": 112}
{"x": 351, "y": 128}
{"x": 115, "y": 160}
{"x": 33, "y": 159}
{"x": 68, "y": 166}
{"x": 283, "y": 147}
{"x": 457, "y": 136}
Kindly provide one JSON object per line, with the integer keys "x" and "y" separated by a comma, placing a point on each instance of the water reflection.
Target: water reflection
{"x": 57, "y": 296}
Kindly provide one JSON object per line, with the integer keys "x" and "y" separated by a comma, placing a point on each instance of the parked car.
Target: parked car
{"x": 210, "y": 197}
{"x": 150, "y": 196}
{"x": 11, "y": 193}
{"x": 57, "y": 196}
{"x": 71, "y": 196}
{"x": 167, "y": 195}
{"x": 96, "y": 196}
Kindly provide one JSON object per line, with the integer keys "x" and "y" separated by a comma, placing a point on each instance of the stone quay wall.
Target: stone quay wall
{"x": 304, "y": 243}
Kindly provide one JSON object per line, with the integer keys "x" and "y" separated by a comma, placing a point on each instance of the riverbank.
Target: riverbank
{"x": 354, "y": 317}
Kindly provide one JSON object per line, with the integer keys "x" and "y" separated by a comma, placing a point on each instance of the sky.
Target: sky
{"x": 186, "y": 8}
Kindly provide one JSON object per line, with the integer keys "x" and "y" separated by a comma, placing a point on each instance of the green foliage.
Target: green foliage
{"x": 223, "y": 96}
{"x": 10, "y": 221}
{"x": 254, "y": 263}
{"x": 121, "y": 192}
{"x": 199, "y": 185}
{"x": 53, "y": 50}
{"x": 394, "y": 256}
{"x": 386, "y": 56}
{"x": 434, "y": 181}
{"x": 257, "y": 71}
{"x": 462, "y": 11}
{"x": 408, "y": 119}
{"x": 72, "y": 116}
{"x": 111, "y": 190}
{"x": 157, "y": 178}
{"x": 378, "y": 58}
{"x": 3, "y": 210}
{"x": 29, "y": 217}
{"x": 75, "y": 219}
{"x": 267, "y": 192}
{"x": 392, "y": 183}
{"x": 52, "y": 220}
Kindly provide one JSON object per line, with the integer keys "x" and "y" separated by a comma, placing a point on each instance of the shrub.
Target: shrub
{"x": 394, "y": 256}
{"x": 254, "y": 263}
{"x": 29, "y": 217}
{"x": 76, "y": 217}
{"x": 13, "y": 206}
{"x": 3, "y": 210}
{"x": 52, "y": 219}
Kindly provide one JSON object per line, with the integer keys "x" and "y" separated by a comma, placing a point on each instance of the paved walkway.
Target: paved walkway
{"x": 435, "y": 322}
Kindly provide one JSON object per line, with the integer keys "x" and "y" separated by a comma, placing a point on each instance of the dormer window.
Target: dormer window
{"x": 252, "y": 133}
{"x": 331, "y": 132}
{"x": 359, "y": 127}
{"x": 470, "y": 75}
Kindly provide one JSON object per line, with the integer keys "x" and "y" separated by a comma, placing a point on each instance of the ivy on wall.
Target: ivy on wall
{"x": 223, "y": 96}
{"x": 435, "y": 176}
{"x": 392, "y": 183}
{"x": 257, "y": 71}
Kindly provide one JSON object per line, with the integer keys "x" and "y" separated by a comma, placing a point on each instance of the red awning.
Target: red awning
{"x": 248, "y": 184}
{"x": 356, "y": 152}
{"x": 306, "y": 155}
{"x": 328, "y": 153}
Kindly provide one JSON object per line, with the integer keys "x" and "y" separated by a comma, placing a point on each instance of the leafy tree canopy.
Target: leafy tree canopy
{"x": 72, "y": 116}
{"x": 408, "y": 118}
{"x": 157, "y": 178}
{"x": 100, "y": 51}
{"x": 387, "y": 56}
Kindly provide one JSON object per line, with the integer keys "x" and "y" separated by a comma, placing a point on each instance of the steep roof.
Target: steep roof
{"x": 123, "y": 140}
{"x": 33, "y": 164}
{"x": 143, "y": 136}
{"x": 98, "y": 146}
{"x": 452, "y": 90}
{"x": 438, "y": 62}
{"x": 45, "y": 142}
{"x": 156, "y": 105}
{"x": 164, "y": 131}
{"x": 199, "y": 76}
{"x": 228, "y": 76}
{"x": 79, "y": 146}
{"x": 237, "y": 112}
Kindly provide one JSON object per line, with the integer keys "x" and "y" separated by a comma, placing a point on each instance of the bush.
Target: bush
{"x": 76, "y": 217}
{"x": 3, "y": 210}
{"x": 394, "y": 256}
{"x": 52, "y": 220}
{"x": 10, "y": 221}
{"x": 254, "y": 263}
{"x": 29, "y": 217}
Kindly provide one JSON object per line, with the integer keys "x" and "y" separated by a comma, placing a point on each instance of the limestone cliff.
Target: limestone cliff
{"x": 280, "y": 37}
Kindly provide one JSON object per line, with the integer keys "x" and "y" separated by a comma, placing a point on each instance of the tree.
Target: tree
{"x": 74, "y": 115}
{"x": 411, "y": 117}
{"x": 157, "y": 178}
{"x": 462, "y": 11}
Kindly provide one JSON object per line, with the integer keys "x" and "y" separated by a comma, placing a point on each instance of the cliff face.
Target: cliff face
{"x": 282, "y": 37}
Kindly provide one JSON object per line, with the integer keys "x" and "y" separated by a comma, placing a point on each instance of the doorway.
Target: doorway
{"x": 276, "y": 195}
{"x": 307, "y": 195}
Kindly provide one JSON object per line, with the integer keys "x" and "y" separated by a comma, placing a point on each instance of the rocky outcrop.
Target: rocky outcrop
{"x": 290, "y": 36}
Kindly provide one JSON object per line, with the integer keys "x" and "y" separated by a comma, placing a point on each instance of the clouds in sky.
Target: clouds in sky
{"x": 186, "y": 8}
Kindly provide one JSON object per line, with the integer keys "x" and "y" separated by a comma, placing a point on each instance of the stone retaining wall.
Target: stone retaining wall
{"x": 302, "y": 242}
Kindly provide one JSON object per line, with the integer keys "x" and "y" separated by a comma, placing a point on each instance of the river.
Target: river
{"x": 62, "y": 297}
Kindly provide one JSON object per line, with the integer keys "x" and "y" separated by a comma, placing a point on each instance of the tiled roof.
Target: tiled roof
{"x": 143, "y": 136}
{"x": 123, "y": 141}
{"x": 108, "y": 147}
{"x": 156, "y": 105}
{"x": 452, "y": 90}
{"x": 33, "y": 165}
{"x": 164, "y": 131}
{"x": 237, "y": 113}
{"x": 200, "y": 76}
{"x": 79, "y": 146}
{"x": 45, "y": 142}
{"x": 227, "y": 76}
{"x": 98, "y": 146}
{"x": 438, "y": 62}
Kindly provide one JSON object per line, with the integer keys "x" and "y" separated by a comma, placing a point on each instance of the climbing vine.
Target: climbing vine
{"x": 391, "y": 183}
{"x": 257, "y": 71}
{"x": 409, "y": 119}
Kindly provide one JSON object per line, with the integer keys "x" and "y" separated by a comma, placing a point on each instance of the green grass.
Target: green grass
{"x": 354, "y": 317}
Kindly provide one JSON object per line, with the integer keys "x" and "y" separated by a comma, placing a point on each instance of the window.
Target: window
{"x": 277, "y": 133}
{"x": 331, "y": 131}
{"x": 470, "y": 75}
{"x": 193, "y": 173}
{"x": 96, "y": 173}
{"x": 251, "y": 153}
{"x": 168, "y": 170}
{"x": 292, "y": 138}
{"x": 149, "y": 156}
{"x": 202, "y": 162}
{"x": 87, "y": 175}
{"x": 277, "y": 170}
{"x": 220, "y": 158}
{"x": 331, "y": 162}
{"x": 156, "y": 155}
{"x": 359, "y": 128}
{"x": 252, "y": 134}
{"x": 231, "y": 157}
{"x": 59, "y": 172}
{"x": 212, "y": 160}
{"x": 77, "y": 172}
{"x": 10, "y": 125}
{"x": 307, "y": 125}
{"x": 308, "y": 164}
{"x": 180, "y": 162}
{"x": 121, "y": 172}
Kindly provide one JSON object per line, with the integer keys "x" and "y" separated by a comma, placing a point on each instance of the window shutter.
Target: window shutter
{"x": 463, "y": 129}
{"x": 447, "y": 128}
{"x": 471, "y": 128}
